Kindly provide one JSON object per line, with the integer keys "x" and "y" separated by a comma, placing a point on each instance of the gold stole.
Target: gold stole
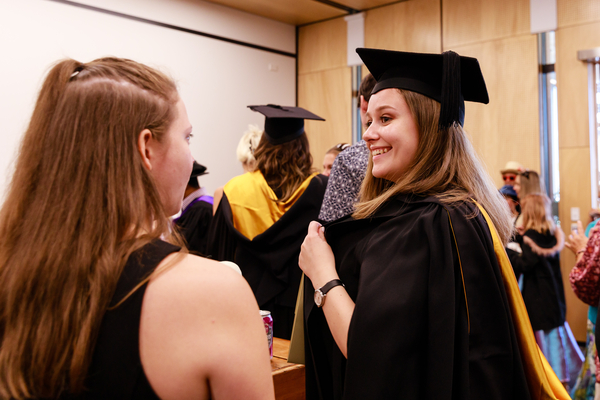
{"x": 253, "y": 203}
{"x": 541, "y": 379}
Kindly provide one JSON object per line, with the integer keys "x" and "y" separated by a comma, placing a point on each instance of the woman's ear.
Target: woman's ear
{"x": 145, "y": 148}
{"x": 363, "y": 104}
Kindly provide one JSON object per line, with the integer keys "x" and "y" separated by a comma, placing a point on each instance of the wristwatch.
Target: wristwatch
{"x": 322, "y": 292}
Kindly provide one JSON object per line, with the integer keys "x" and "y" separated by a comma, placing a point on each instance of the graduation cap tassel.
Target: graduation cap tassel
{"x": 451, "y": 90}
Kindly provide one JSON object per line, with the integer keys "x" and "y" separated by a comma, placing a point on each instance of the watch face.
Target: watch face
{"x": 318, "y": 298}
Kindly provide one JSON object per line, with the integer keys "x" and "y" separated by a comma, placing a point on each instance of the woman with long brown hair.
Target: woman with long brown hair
{"x": 541, "y": 283}
{"x": 261, "y": 220}
{"x": 96, "y": 298}
{"x": 527, "y": 182}
{"x": 414, "y": 297}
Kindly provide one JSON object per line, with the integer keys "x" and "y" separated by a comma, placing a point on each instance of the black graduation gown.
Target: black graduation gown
{"x": 269, "y": 261}
{"x": 543, "y": 291}
{"x": 194, "y": 224}
{"x": 410, "y": 336}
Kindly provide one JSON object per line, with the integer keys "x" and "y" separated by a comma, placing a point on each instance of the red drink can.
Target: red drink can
{"x": 268, "y": 321}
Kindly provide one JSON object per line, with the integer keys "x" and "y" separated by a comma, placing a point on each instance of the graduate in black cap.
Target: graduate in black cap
{"x": 263, "y": 215}
{"x": 413, "y": 296}
{"x": 196, "y": 212}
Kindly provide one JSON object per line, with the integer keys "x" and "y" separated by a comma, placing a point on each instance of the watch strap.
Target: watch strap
{"x": 330, "y": 285}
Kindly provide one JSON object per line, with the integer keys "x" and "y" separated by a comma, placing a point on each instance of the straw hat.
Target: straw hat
{"x": 512, "y": 167}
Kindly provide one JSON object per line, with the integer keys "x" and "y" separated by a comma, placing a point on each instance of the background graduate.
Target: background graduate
{"x": 424, "y": 313}
{"x": 196, "y": 213}
{"x": 263, "y": 216}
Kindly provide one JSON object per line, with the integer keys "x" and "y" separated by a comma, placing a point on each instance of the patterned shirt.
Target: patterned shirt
{"x": 347, "y": 174}
{"x": 584, "y": 279}
{"x": 585, "y": 275}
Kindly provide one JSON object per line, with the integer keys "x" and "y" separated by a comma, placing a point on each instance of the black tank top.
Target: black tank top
{"x": 116, "y": 370}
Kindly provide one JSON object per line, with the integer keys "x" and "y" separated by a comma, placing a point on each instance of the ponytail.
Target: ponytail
{"x": 79, "y": 203}
{"x": 28, "y": 163}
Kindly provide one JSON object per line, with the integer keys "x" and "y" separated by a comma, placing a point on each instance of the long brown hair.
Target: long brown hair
{"x": 285, "y": 166}
{"x": 445, "y": 166}
{"x": 537, "y": 214}
{"x": 79, "y": 203}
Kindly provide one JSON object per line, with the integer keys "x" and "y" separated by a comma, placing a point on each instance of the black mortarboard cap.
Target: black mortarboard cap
{"x": 447, "y": 78}
{"x": 197, "y": 170}
{"x": 284, "y": 124}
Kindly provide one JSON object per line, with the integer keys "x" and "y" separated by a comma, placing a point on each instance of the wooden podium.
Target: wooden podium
{"x": 288, "y": 378}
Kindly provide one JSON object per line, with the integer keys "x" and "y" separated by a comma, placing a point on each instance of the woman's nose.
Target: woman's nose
{"x": 370, "y": 134}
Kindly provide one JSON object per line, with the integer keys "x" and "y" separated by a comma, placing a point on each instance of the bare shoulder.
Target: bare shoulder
{"x": 195, "y": 290}
{"x": 189, "y": 275}
{"x": 196, "y": 314}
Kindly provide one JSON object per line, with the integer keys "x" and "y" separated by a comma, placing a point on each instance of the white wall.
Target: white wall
{"x": 216, "y": 79}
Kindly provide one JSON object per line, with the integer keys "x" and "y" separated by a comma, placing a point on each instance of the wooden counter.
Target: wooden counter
{"x": 288, "y": 378}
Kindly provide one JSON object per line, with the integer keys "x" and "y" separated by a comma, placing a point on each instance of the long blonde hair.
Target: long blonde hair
{"x": 537, "y": 214}
{"x": 79, "y": 203}
{"x": 445, "y": 166}
{"x": 247, "y": 146}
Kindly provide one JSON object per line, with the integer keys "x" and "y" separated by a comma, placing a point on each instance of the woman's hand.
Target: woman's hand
{"x": 577, "y": 239}
{"x": 318, "y": 263}
{"x": 316, "y": 258}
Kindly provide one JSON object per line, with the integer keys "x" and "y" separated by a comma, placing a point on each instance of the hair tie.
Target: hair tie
{"x": 77, "y": 71}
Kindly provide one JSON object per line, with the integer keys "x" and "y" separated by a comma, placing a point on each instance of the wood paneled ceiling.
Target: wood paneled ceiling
{"x": 302, "y": 12}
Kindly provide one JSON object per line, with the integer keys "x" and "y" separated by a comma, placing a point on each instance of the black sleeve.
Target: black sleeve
{"x": 194, "y": 226}
{"x": 222, "y": 241}
{"x": 524, "y": 262}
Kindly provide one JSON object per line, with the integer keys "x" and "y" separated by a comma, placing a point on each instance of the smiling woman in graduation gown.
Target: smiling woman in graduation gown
{"x": 415, "y": 332}
{"x": 415, "y": 296}
{"x": 263, "y": 216}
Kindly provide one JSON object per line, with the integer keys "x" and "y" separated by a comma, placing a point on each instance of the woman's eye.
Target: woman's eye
{"x": 368, "y": 124}
{"x": 189, "y": 137}
{"x": 385, "y": 119}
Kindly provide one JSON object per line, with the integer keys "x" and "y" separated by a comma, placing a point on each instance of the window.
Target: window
{"x": 592, "y": 57}
{"x": 549, "y": 118}
{"x": 356, "y": 124}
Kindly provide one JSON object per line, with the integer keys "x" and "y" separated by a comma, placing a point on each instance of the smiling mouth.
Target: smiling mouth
{"x": 379, "y": 151}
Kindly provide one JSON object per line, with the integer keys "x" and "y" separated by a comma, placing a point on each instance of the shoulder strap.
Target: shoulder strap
{"x": 462, "y": 276}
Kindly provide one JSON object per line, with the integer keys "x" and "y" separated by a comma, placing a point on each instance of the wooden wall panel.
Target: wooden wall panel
{"x": 576, "y": 12}
{"x": 506, "y": 129}
{"x": 573, "y": 122}
{"x": 329, "y": 95}
{"x": 408, "y": 26}
{"x": 322, "y": 46}
{"x": 325, "y": 85}
{"x": 470, "y": 21}
{"x": 572, "y": 81}
{"x": 574, "y": 192}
